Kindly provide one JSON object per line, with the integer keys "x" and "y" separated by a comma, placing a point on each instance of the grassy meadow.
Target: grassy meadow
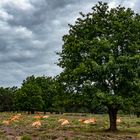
{"x": 50, "y": 128}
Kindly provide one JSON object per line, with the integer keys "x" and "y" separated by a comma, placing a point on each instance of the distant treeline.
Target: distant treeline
{"x": 46, "y": 94}
{"x": 49, "y": 94}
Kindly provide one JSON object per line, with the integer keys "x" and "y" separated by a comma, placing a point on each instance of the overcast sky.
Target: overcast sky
{"x": 31, "y": 33}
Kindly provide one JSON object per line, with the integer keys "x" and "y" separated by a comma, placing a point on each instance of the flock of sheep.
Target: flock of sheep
{"x": 62, "y": 121}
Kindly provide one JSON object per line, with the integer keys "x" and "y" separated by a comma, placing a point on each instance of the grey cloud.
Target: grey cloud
{"x": 31, "y": 34}
{"x": 137, "y": 6}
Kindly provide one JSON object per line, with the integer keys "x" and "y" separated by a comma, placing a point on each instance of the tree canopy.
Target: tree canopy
{"x": 28, "y": 97}
{"x": 102, "y": 49}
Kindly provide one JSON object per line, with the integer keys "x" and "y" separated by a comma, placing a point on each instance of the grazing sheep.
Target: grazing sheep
{"x": 15, "y": 117}
{"x": 63, "y": 121}
{"x": 6, "y": 122}
{"x": 88, "y": 121}
{"x": 118, "y": 120}
{"x": 36, "y": 124}
{"x": 81, "y": 120}
{"x": 45, "y": 117}
{"x": 38, "y": 117}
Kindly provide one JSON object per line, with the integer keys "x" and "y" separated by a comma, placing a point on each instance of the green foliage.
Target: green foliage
{"x": 29, "y": 95}
{"x": 103, "y": 47}
{"x": 36, "y": 93}
{"x": 103, "y": 50}
{"x": 136, "y": 104}
{"x": 48, "y": 87}
{"x": 7, "y": 98}
{"x": 26, "y": 138}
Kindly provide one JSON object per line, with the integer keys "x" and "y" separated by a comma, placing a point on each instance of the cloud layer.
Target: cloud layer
{"x": 31, "y": 33}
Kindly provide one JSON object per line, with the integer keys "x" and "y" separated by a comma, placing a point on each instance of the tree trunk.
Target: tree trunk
{"x": 138, "y": 114}
{"x": 32, "y": 112}
{"x": 112, "y": 118}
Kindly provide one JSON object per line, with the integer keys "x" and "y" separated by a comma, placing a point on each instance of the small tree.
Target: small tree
{"x": 103, "y": 48}
{"x": 47, "y": 85}
{"x": 28, "y": 97}
{"x": 7, "y": 98}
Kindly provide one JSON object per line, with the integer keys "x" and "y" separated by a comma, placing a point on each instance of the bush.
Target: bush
{"x": 26, "y": 138}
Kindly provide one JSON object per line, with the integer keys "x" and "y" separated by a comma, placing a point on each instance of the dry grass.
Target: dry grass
{"x": 50, "y": 128}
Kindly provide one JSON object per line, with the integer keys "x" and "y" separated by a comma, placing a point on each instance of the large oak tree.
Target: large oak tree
{"x": 102, "y": 49}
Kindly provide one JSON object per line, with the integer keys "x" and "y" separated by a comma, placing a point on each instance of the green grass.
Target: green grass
{"x": 51, "y": 129}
